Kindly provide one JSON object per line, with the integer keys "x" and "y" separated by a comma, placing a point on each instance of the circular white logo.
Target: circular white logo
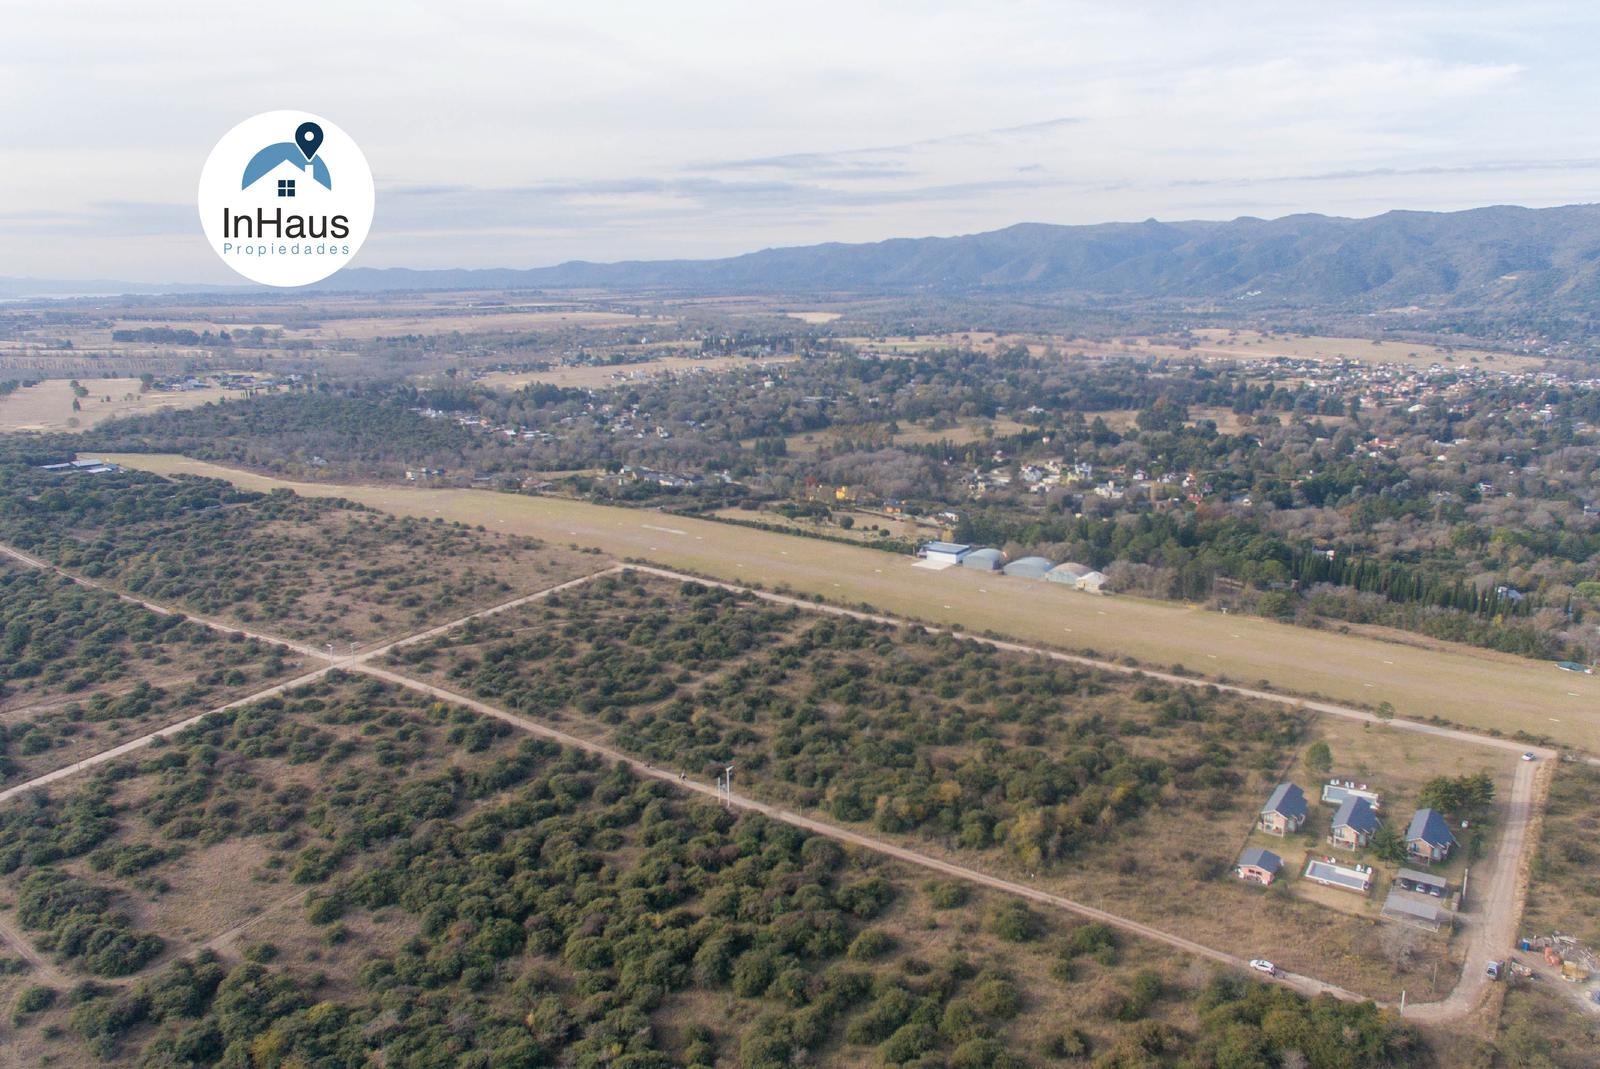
{"x": 286, "y": 198}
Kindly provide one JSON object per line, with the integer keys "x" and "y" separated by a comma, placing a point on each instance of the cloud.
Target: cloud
{"x": 1471, "y": 168}
{"x": 863, "y": 163}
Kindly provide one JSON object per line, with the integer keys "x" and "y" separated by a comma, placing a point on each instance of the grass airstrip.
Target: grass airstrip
{"x": 1472, "y": 687}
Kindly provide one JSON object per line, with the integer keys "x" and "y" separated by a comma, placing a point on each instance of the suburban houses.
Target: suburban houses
{"x": 1285, "y": 810}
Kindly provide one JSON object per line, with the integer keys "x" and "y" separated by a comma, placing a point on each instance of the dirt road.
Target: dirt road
{"x": 160, "y": 733}
{"x": 161, "y": 610}
{"x": 43, "y": 971}
{"x": 1494, "y": 907}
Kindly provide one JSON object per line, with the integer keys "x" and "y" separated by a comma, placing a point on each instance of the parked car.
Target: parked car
{"x": 1530, "y": 756}
{"x": 1263, "y": 965}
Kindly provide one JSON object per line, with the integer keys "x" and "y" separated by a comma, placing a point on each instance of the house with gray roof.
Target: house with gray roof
{"x": 1429, "y": 838}
{"x": 1354, "y": 824}
{"x": 1259, "y": 865}
{"x": 1285, "y": 810}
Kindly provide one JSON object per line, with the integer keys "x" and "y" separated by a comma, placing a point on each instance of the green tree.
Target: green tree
{"x": 1388, "y": 844}
{"x": 1319, "y": 758}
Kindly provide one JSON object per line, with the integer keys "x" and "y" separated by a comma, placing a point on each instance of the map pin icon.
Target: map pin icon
{"x": 308, "y": 136}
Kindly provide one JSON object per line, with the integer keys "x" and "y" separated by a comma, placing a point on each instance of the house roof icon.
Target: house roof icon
{"x": 263, "y": 162}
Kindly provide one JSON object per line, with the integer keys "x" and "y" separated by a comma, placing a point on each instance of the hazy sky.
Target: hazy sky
{"x": 523, "y": 133}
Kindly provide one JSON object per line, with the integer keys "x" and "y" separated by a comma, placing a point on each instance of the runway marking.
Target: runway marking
{"x": 668, "y": 530}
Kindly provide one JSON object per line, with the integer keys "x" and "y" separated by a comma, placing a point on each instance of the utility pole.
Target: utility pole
{"x": 725, "y": 786}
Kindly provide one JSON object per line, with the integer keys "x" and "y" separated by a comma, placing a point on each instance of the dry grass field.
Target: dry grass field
{"x": 862, "y": 531}
{"x": 598, "y": 377}
{"x": 473, "y": 320}
{"x": 965, "y": 432}
{"x": 1254, "y": 345}
{"x": 1210, "y": 343}
{"x": 1473, "y": 687}
{"x": 47, "y": 406}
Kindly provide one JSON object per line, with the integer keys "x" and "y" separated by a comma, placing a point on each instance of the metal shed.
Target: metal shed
{"x": 1029, "y": 567}
{"x": 984, "y": 560}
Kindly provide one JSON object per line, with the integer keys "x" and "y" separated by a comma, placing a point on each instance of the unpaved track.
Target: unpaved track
{"x": 1490, "y": 929}
{"x": 330, "y": 664}
{"x": 161, "y": 610}
{"x": 159, "y": 733}
{"x": 43, "y": 970}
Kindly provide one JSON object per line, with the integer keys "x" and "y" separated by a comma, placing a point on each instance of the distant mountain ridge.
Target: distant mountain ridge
{"x": 1481, "y": 256}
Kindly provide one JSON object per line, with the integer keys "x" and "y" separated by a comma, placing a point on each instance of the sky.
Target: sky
{"x": 521, "y": 134}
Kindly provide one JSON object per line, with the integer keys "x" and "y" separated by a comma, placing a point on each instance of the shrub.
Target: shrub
{"x": 871, "y": 943}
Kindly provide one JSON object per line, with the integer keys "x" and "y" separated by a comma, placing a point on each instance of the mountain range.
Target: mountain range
{"x": 1484, "y": 257}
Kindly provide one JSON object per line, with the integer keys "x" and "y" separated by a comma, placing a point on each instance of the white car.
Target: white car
{"x": 1263, "y": 965}
{"x": 1530, "y": 756}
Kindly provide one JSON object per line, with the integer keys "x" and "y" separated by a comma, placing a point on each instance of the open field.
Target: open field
{"x": 1210, "y": 343}
{"x": 964, "y": 432}
{"x": 47, "y": 406}
{"x": 862, "y": 531}
{"x": 1253, "y": 345}
{"x": 469, "y": 320}
{"x": 597, "y": 377}
{"x": 351, "y": 318}
{"x": 1227, "y": 420}
{"x": 1472, "y": 687}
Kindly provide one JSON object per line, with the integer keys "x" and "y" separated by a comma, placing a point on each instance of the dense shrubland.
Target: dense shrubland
{"x": 563, "y": 912}
{"x": 79, "y": 666}
{"x": 309, "y": 568}
{"x": 906, "y": 731}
